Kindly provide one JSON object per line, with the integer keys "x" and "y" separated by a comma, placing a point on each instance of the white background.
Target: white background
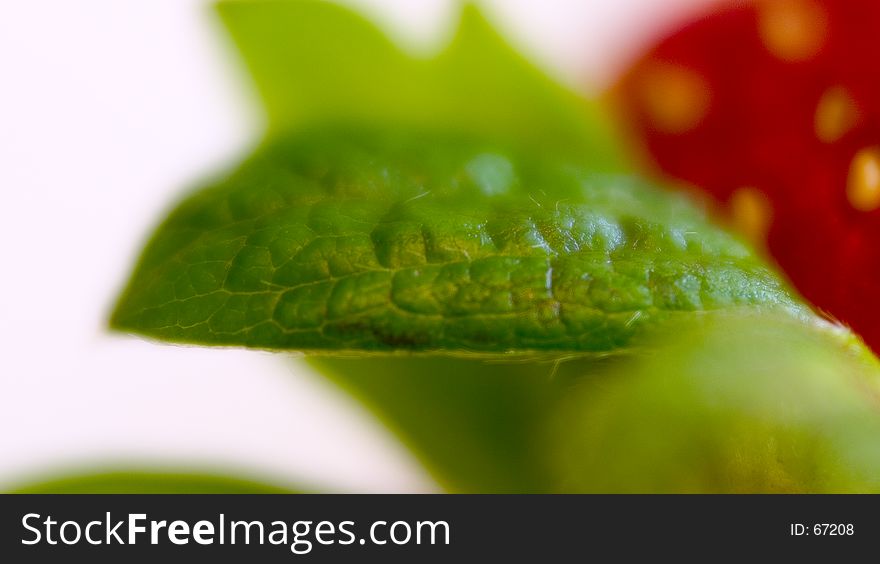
{"x": 108, "y": 109}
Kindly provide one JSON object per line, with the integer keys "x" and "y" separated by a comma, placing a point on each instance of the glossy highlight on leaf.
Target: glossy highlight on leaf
{"x": 351, "y": 240}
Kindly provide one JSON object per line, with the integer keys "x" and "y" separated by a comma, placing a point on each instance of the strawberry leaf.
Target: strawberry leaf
{"x": 316, "y": 62}
{"x": 345, "y": 240}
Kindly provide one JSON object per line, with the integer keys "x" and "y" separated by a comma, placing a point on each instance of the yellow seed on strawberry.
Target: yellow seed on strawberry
{"x": 836, "y": 114}
{"x": 675, "y": 98}
{"x": 863, "y": 182}
{"x": 752, "y": 213}
{"x": 792, "y": 30}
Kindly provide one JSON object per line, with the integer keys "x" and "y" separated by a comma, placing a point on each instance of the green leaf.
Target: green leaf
{"x": 316, "y": 62}
{"x": 475, "y": 425}
{"x": 347, "y": 240}
{"x": 724, "y": 405}
{"x": 146, "y": 482}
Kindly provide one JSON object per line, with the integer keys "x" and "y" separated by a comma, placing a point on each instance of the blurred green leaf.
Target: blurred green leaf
{"x": 728, "y": 404}
{"x": 316, "y": 63}
{"x": 474, "y": 424}
{"x": 146, "y": 482}
{"x": 355, "y": 241}
{"x": 722, "y": 403}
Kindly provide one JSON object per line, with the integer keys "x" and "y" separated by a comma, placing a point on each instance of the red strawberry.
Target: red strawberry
{"x": 774, "y": 108}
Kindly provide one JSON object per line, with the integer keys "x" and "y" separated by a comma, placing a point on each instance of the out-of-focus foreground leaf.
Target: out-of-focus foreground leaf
{"x": 316, "y": 62}
{"x": 147, "y": 482}
{"x": 347, "y": 240}
{"x": 728, "y": 405}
